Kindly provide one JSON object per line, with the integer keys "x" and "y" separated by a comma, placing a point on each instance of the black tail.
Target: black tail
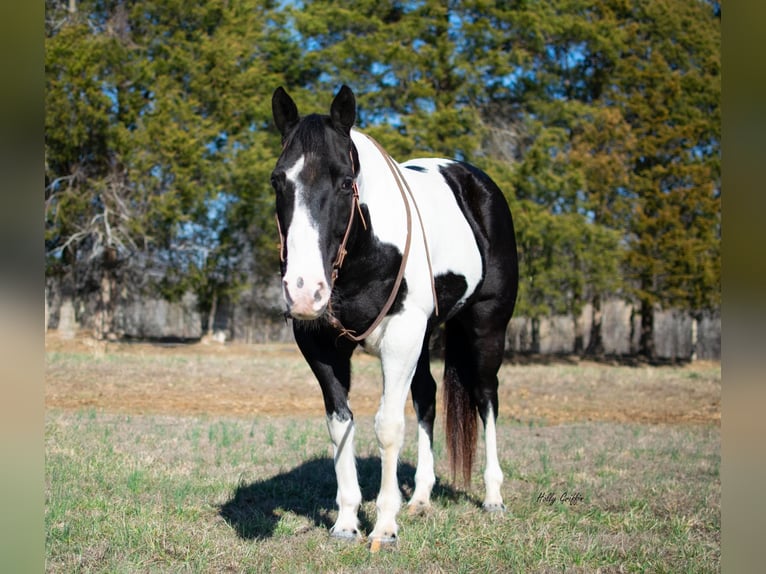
{"x": 460, "y": 409}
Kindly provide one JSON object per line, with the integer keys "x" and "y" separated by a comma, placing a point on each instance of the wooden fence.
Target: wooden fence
{"x": 257, "y": 318}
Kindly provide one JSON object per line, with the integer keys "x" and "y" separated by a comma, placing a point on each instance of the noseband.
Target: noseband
{"x": 404, "y": 190}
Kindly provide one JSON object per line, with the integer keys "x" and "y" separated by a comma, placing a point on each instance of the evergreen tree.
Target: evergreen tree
{"x": 670, "y": 91}
{"x": 543, "y": 78}
{"x": 157, "y": 142}
{"x": 599, "y": 120}
{"x": 614, "y": 107}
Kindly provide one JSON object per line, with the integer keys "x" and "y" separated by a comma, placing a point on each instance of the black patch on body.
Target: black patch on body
{"x": 418, "y": 168}
{"x": 450, "y": 288}
{"x": 366, "y": 279}
{"x": 486, "y": 210}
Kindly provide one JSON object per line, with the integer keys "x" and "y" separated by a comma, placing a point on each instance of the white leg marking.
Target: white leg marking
{"x": 349, "y": 496}
{"x": 493, "y": 475}
{"x": 399, "y": 350}
{"x": 424, "y": 475}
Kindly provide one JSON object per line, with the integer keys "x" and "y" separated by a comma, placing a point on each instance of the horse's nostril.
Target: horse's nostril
{"x": 319, "y": 292}
{"x": 299, "y": 283}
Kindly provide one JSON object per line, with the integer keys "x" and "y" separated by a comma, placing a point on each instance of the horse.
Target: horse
{"x": 379, "y": 254}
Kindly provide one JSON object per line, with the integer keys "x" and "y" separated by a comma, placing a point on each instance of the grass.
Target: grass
{"x": 192, "y": 460}
{"x": 195, "y": 494}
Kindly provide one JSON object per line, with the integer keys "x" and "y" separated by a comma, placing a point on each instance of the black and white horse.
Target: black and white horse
{"x": 379, "y": 254}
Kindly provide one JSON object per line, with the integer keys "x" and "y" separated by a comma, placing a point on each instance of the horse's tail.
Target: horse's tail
{"x": 460, "y": 409}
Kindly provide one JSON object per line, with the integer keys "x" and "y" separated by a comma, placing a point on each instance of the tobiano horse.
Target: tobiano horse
{"x": 380, "y": 254}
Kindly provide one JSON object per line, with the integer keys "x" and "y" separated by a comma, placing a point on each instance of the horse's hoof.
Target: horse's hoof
{"x": 494, "y": 508}
{"x": 380, "y": 542}
{"x": 345, "y": 535}
{"x": 418, "y": 508}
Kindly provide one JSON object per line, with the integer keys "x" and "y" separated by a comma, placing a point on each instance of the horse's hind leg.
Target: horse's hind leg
{"x": 424, "y": 402}
{"x": 486, "y": 333}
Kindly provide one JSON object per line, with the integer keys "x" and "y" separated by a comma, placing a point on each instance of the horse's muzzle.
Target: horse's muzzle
{"x": 306, "y": 299}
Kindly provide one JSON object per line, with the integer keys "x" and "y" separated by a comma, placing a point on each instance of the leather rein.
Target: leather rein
{"x": 404, "y": 190}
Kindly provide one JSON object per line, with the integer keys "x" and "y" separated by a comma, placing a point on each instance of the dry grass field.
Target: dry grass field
{"x": 215, "y": 458}
{"x": 250, "y": 380}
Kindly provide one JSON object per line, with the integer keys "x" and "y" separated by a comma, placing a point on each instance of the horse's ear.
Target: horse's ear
{"x": 284, "y": 110}
{"x": 343, "y": 110}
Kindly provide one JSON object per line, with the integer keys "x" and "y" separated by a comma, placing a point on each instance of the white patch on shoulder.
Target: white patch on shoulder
{"x": 451, "y": 242}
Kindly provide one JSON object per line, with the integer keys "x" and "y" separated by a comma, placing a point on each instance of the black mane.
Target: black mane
{"x": 310, "y": 133}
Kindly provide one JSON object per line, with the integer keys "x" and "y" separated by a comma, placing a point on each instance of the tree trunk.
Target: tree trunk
{"x": 102, "y": 325}
{"x": 579, "y": 334}
{"x": 596, "y": 343}
{"x": 211, "y": 314}
{"x": 646, "y": 343}
{"x": 696, "y": 318}
{"x": 67, "y": 325}
{"x": 535, "y": 347}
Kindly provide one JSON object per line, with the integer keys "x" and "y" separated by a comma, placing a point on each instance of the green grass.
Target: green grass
{"x": 138, "y": 493}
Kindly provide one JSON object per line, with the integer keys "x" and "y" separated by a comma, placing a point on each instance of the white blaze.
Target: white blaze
{"x": 305, "y": 285}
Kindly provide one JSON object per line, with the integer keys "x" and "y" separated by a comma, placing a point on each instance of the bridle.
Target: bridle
{"x": 342, "y": 252}
{"x": 355, "y": 208}
{"x": 404, "y": 190}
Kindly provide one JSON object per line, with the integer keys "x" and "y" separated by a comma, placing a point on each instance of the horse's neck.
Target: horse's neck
{"x": 379, "y": 191}
{"x": 375, "y": 176}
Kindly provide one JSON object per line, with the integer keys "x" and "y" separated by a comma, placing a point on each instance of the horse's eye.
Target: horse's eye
{"x": 276, "y": 181}
{"x": 347, "y": 184}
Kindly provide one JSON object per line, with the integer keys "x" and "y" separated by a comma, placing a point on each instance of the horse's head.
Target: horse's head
{"x": 314, "y": 181}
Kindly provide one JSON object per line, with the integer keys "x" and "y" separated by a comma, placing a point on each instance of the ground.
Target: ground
{"x": 244, "y": 380}
{"x": 215, "y": 458}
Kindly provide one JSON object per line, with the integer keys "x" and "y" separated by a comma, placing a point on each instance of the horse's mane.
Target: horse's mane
{"x": 310, "y": 133}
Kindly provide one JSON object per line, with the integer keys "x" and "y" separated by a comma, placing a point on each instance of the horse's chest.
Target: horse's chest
{"x": 365, "y": 283}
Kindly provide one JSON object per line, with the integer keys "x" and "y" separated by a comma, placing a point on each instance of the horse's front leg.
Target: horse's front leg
{"x": 399, "y": 351}
{"x": 330, "y": 360}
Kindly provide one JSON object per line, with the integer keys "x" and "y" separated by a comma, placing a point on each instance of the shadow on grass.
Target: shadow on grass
{"x": 309, "y": 490}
